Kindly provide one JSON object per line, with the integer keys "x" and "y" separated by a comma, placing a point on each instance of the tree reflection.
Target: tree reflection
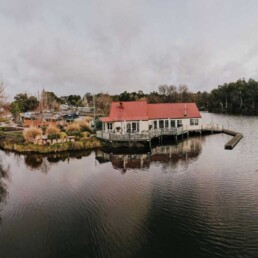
{"x": 4, "y": 175}
{"x": 34, "y": 161}
{"x": 43, "y": 163}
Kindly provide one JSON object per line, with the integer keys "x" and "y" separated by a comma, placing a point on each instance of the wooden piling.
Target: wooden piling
{"x": 233, "y": 142}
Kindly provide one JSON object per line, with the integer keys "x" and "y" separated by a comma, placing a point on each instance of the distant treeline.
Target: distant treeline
{"x": 167, "y": 94}
{"x": 240, "y": 97}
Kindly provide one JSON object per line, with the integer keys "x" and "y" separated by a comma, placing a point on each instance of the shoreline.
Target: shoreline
{"x": 24, "y": 148}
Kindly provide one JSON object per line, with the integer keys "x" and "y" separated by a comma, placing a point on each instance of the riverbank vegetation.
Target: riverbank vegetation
{"x": 15, "y": 141}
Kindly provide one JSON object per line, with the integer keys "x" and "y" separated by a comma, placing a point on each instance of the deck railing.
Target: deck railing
{"x": 148, "y": 135}
{"x": 139, "y": 136}
{"x": 212, "y": 127}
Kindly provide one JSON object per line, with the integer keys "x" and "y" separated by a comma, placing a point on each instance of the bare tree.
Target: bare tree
{"x": 3, "y": 96}
{"x": 168, "y": 93}
{"x": 103, "y": 102}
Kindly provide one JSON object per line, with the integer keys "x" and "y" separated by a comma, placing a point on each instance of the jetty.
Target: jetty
{"x": 181, "y": 132}
{"x": 233, "y": 142}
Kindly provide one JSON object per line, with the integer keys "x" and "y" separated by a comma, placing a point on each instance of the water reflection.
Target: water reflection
{"x": 43, "y": 163}
{"x": 168, "y": 155}
{"x": 4, "y": 175}
{"x": 206, "y": 206}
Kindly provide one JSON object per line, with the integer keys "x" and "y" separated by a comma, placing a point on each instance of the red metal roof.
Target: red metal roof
{"x": 140, "y": 110}
{"x": 173, "y": 110}
{"x": 124, "y": 111}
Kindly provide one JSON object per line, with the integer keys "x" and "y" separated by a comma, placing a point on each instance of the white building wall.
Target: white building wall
{"x": 144, "y": 125}
{"x": 188, "y": 126}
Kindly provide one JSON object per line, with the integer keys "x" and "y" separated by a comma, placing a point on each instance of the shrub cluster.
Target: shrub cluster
{"x": 73, "y": 127}
{"x": 51, "y": 129}
{"x": 63, "y": 135}
{"x": 31, "y": 132}
{"x": 84, "y": 126}
{"x": 78, "y": 129}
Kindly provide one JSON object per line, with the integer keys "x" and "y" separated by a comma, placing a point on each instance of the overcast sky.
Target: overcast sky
{"x": 79, "y": 46}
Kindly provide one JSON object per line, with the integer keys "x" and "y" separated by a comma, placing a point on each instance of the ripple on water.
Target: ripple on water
{"x": 192, "y": 200}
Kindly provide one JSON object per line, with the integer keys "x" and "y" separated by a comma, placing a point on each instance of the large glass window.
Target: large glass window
{"x": 132, "y": 127}
{"x": 166, "y": 123}
{"x": 155, "y": 124}
{"x": 172, "y": 123}
{"x": 109, "y": 126}
{"x": 161, "y": 124}
{"x": 128, "y": 128}
{"x": 194, "y": 121}
{"x": 179, "y": 123}
{"x": 135, "y": 127}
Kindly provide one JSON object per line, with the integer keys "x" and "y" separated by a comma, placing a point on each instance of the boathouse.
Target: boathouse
{"x": 138, "y": 120}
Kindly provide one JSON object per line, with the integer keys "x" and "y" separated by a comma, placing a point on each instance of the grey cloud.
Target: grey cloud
{"x": 80, "y": 46}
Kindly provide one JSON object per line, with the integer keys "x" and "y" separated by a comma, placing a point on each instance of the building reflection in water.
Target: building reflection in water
{"x": 169, "y": 155}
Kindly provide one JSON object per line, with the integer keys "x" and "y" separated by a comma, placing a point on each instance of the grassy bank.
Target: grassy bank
{"x": 13, "y": 141}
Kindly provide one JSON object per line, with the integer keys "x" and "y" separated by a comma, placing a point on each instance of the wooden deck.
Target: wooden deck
{"x": 139, "y": 137}
{"x": 234, "y": 141}
{"x": 148, "y": 136}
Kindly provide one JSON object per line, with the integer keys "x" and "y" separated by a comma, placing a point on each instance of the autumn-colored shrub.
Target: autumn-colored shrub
{"x": 88, "y": 118}
{"x": 63, "y": 135}
{"x": 84, "y": 125}
{"x": 52, "y": 129}
{"x": 31, "y": 132}
{"x": 85, "y": 135}
{"x": 73, "y": 127}
{"x": 44, "y": 128}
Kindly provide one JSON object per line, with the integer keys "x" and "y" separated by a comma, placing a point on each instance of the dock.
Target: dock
{"x": 175, "y": 132}
{"x": 233, "y": 142}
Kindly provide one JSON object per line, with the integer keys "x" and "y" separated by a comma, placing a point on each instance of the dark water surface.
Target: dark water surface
{"x": 194, "y": 199}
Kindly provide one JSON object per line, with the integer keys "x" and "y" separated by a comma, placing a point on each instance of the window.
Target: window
{"x": 155, "y": 124}
{"x": 179, "y": 123}
{"x": 172, "y": 123}
{"x": 109, "y": 126}
{"x": 128, "y": 128}
{"x": 132, "y": 127}
{"x": 194, "y": 121}
{"x": 166, "y": 123}
{"x": 161, "y": 124}
{"x": 135, "y": 127}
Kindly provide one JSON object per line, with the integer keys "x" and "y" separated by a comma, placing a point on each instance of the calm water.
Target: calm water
{"x": 194, "y": 199}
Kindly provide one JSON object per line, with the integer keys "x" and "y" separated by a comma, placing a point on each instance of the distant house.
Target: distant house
{"x": 141, "y": 117}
